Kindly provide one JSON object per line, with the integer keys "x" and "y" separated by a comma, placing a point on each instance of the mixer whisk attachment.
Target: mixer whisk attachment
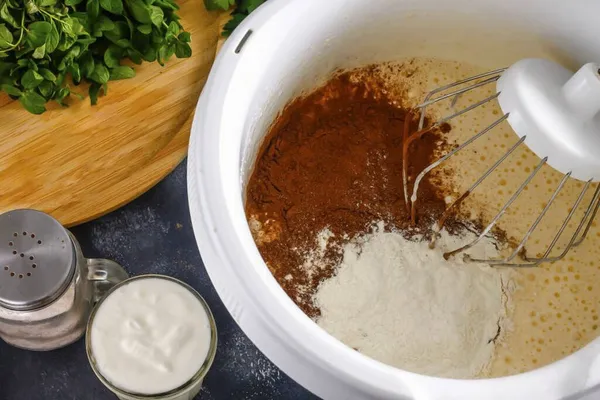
{"x": 556, "y": 115}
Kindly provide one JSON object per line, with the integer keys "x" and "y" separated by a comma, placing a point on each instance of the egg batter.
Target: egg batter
{"x": 556, "y": 304}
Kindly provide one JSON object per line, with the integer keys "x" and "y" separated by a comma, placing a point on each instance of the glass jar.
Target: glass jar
{"x": 188, "y": 390}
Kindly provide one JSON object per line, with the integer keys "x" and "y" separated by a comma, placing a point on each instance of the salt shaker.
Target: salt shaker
{"x": 47, "y": 287}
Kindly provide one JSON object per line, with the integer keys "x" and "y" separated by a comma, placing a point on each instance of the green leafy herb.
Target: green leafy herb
{"x": 31, "y": 79}
{"x": 11, "y": 90}
{"x": 42, "y": 42}
{"x": 240, "y": 10}
{"x": 121, "y": 73}
{"x": 33, "y": 102}
{"x": 218, "y": 4}
{"x": 112, "y": 6}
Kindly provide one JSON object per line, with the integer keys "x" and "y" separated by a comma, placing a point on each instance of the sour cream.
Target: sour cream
{"x": 151, "y": 335}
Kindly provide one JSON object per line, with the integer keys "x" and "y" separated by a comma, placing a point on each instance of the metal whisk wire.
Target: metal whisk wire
{"x": 493, "y": 77}
{"x": 459, "y": 87}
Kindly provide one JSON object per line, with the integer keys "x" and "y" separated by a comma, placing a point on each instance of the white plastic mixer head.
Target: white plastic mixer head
{"x": 556, "y": 114}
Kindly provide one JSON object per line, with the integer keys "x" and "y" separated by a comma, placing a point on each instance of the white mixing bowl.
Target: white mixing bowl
{"x": 295, "y": 44}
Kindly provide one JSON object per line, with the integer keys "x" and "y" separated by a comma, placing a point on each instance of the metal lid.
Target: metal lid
{"x": 37, "y": 259}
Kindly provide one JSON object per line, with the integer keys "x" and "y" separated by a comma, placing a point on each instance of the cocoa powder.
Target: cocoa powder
{"x": 333, "y": 159}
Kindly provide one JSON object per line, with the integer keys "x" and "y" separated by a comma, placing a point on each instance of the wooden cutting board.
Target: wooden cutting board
{"x": 81, "y": 162}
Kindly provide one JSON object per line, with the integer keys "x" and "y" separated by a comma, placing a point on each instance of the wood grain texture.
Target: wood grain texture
{"x": 81, "y": 162}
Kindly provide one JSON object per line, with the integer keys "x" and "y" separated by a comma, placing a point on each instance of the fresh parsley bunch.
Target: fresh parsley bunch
{"x": 44, "y": 41}
{"x": 240, "y": 10}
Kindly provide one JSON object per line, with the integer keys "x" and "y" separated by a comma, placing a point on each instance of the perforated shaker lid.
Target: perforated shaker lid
{"x": 37, "y": 260}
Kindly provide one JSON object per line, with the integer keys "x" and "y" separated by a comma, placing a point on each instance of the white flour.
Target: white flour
{"x": 401, "y": 303}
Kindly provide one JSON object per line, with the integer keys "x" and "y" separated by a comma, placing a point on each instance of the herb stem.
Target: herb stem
{"x": 52, "y": 16}
{"x": 14, "y": 46}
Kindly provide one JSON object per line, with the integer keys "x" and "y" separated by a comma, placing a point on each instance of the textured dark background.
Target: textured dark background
{"x": 153, "y": 234}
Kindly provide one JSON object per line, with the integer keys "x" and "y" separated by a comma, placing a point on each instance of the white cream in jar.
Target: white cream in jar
{"x": 151, "y": 335}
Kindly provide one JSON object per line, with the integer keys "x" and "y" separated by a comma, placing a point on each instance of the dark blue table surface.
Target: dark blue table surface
{"x": 153, "y": 234}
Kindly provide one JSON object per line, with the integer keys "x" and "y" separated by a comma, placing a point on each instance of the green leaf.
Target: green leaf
{"x": 94, "y": 91}
{"x": 66, "y": 43}
{"x": 86, "y": 41}
{"x": 185, "y": 37}
{"x": 123, "y": 43}
{"x": 47, "y": 3}
{"x": 75, "y": 73}
{"x": 6, "y": 37}
{"x": 140, "y": 11}
{"x": 32, "y": 65}
{"x": 52, "y": 40}
{"x": 218, "y": 4}
{"x": 173, "y": 29}
{"x": 47, "y": 74}
{"x": 72, "y": 3}
{"x": 60, "y": 78}
{"x": 33, "y": 102}
{"x": 69, "y": 57}
{"x": 46, "y": 89}
{"x": 170, "y": 51}
{"x": 93, "y": 9}
{"x": 112, "y": 6}
{"x": 157, "y": 37}
{"x": 66, "y": 26}
{"x": 183, "y": 50}
{"x": 145, "y": 29}
{"x": 166, "y": 4}
{"x": 87, "y": 64}
{"x": 6, "y": 15}
{"x": 150, "y": 55}
{"x": 101, "y": 74}
{"x": 254, "y": 4}
{"x": 11, "y": 90}
{"x": 62, "y": 94}
{"x": 74, "y": 52}
{"x": 104, "y": 24}
{"x": 157, "y": 16}
{"x": 40, "y": 52}
{"x": 135, "y": 56}
{"x": 120, "y": 32}
{"x": 248, "y": 6}
{"x": 119, "y": 73}
{"x": 31, "y": 79}
{"x": 80, "y": 25}
{"x": 162, "y": 55}
{"x": 31, "y": 7}
{"x": 113, "y": 56}
{"x": 38, "y": 33}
